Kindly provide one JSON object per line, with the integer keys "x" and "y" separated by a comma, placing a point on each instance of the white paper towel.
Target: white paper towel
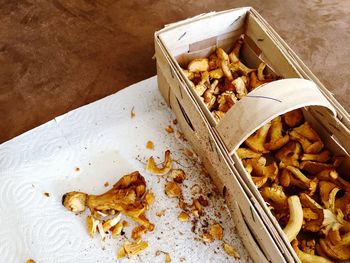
{"x": 83, "y": 149}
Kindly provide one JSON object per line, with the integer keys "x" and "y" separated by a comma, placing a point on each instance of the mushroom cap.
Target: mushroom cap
{"x": 74, "y": 201}
{"x": 308, "y": 132}
{"x": 289, "y": 154}
{"x": 246, "y": 153}
{"x": 293, "y": 118}
{"x": 198, "y": 65}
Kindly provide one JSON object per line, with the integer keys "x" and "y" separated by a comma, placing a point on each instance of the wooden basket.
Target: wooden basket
{"x": 216, "y": 143}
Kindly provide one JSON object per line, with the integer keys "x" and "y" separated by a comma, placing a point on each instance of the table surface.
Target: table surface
{"x": 58, "y": 55}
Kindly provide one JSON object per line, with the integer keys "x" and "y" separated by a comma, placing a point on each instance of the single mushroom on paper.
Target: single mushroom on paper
{"x": 152, "y": 167}
{"x": 127, "y": 196}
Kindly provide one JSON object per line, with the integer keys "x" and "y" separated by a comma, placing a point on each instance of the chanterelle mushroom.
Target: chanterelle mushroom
{"x": 261, "y": 69}
{"x": 240, "y": 84}
{"x": 224, "y": 63}
{"x": 255, "y": 82}
{"x": 246, "y": 153}
{"x": 167, "y": 165}
{"x": 308, "y": 147}
{"x": 312, "y": 224}
{"x": 239, "y": 67}
{"x": 343, "y": 203}
{"x": 308, "y": 132}
{"x": 188, "y": 74}
{"x": 124, "y": 196}
{"x": 203, "y": 84}
{"x": 312, "y": 184}
{"x": 198, "y": 65}
{"x": 255, "y": 167}
{"x": 209, "y": 98}
{"x": 328, "y": 192}
{"x": 234, "y": 55}
{"x": 226, "y": 100}
{"x": 293, "y": 176}
{"x": 293, "y": 118}
{"x": 277, "y": 140}
{"x": 236, "y": 64}
{"x": 275, "y": 195}
{"x": 314, "y": 167}
{"x": 213, "y": 61}
{"x": 331, "y": 175}
{"x": 339, "y": 251}
{"x": 326, "y": 219}
{"x": 289, "y": 154}
{"x": 257, "y": 140}
{"x": 308, "y": 258}
{"x": 216, "y": 73}
{"x": 260, "y": 172}
{"x": 287, "y": 179}
{"x": 200, "y": 89}
{"x": 308, "y": 138}
{"x": 308, "y": 245}
{"x": 127, "y": 196}
{"x": 321, "y": 157}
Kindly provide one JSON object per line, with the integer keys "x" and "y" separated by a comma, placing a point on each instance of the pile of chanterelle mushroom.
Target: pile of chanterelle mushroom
{"x": 222, "y": 79}
{"x": 298, "y": 178}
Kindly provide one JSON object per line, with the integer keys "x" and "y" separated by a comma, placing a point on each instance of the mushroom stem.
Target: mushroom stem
{"x": 295, "y": 218}
{"x": 308, "y": 258}
{"x": 320, "y": 157}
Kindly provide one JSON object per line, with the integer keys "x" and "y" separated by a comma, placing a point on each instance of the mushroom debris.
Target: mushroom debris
{"x": 128, "y": 197}
{"x": 195, "y": 212}
{"x": 222, "y": 79}
{"x": 300, "y": 181}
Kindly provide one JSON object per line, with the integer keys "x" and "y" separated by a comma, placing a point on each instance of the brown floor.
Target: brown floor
{"x": 61, "y": 54}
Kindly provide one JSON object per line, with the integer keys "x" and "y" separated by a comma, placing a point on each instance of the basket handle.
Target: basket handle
{"x": 266, "y": 103}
